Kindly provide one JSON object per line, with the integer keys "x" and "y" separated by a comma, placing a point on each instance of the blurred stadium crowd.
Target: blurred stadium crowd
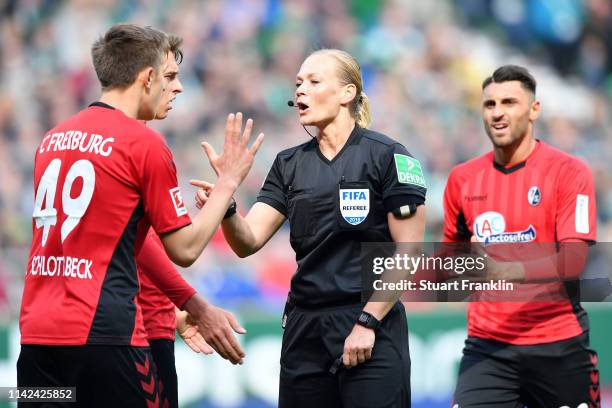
{"x": 423, "y": 63}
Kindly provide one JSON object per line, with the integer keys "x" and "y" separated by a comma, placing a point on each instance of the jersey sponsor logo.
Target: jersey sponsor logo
{"x": 534, "y": 196}
{"x": 582, "y": 214}
{"x": 490, "y": 227}
{"x": 354, "y": 204}
{"x": 177, "y": 200}
{"x": 409, "y": 170}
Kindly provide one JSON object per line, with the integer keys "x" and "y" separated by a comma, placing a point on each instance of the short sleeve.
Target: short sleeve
{"x": 162, "y": 199}
{"x": 403, "y": 181}
{"x": 455, "y": 228}
{"x": 273, "y": 191}
{"x": 576, "y": 210}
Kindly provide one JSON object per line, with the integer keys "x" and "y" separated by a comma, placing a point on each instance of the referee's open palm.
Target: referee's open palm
{"x": 236, "y": 159}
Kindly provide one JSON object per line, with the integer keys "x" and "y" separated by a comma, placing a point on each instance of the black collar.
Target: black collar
{"x": 517, "y": 166}
{"x": 101, "y": 105}
{"x": 508, "y": 170}
{"x": 353, "y": 138}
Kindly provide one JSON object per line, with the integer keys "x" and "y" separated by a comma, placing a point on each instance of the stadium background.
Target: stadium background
{"x": 422, "y": 61}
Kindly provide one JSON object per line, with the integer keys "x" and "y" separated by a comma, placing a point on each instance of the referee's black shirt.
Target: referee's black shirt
{"x": 372, "y": 175}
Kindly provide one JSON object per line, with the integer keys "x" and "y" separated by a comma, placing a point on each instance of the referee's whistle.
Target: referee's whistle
{"x": 336, "y": 366}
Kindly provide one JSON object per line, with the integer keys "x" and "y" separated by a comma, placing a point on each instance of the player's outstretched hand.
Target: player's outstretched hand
{"x": 358, "y": 346}
{"x": 217, "y": 326}
{"x": 187, "y": 328}
{"x": 236, "y": 159}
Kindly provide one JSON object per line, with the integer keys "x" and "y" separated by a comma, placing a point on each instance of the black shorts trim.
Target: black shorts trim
{"x": 163, "y": 355}
{"x": 562, "y": 373}
{"x": 104, "y": 376}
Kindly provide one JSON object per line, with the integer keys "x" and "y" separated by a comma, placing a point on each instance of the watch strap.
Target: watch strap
{"x": 367, "y": 320}
{"x": 231, "y": 210}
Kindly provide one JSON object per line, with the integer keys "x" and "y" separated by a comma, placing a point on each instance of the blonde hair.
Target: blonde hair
{"x": 349, "y": 72}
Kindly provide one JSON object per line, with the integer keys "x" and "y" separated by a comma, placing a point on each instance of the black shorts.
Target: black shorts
{"x": 163, "y": 355}
{"x": 314, "y": 339}
{"x": 558, "y": 374}
{"x": 104, "y": 376}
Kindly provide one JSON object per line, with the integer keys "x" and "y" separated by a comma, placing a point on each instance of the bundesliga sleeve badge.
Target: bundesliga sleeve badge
{"x": 177, "y": 200}
{"x": 409, "y": 170}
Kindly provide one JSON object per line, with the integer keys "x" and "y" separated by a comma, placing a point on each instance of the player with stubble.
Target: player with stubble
{"x": 527, "y": 196}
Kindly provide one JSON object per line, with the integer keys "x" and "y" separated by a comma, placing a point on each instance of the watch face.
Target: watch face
{"x": 363, "y": 318}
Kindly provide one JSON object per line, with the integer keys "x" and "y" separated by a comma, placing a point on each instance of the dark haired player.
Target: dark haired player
{"x": 156, "y": 271}
{"x": 101, "y": 179}
{"x": 523, "y": 353}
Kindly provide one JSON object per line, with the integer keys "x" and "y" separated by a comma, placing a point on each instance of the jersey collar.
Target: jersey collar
{"x": 517, "y": 166}
{"x": 100, "y": 105}
{"x": 354, "y": 138}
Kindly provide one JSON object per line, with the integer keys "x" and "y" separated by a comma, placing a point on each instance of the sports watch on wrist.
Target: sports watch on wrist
{"x": 231, "y": 210}
{"x": 367, "y": 320}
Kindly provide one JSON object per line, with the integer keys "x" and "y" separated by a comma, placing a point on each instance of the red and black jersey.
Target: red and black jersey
{"x": 547, "y": 198}
{"x": 161, "y": 288}
{"x": 101, "y": 179}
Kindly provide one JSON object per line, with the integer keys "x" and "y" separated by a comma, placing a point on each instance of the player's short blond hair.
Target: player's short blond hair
{"x": 349, "y": 72}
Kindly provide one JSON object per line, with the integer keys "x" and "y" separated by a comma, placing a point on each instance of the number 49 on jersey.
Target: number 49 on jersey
{"x": 74, "y": 208}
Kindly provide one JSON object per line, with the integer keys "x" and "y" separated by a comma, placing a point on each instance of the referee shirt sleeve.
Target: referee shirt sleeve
{"x": 273, "y": 190}
{"x": 403, "y": 182}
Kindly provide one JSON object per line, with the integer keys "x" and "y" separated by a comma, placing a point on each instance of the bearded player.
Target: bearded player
{"x": 523, "y": 191}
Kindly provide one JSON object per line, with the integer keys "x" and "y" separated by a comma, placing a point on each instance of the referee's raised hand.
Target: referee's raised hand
{"x": 236, "y": 159}
{"x": 203, "y": 192}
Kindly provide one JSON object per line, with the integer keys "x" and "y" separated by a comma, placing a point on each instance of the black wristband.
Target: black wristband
{"x": 367, "y": 320}
{"x": 231, "y": 210}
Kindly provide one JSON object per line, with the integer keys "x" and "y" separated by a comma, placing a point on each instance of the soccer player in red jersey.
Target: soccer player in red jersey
{"x": 523, "y": 353}
{"x": 156, "y": 271}
{"x": 101, "y": 179}
{"x": 161, "y": 318}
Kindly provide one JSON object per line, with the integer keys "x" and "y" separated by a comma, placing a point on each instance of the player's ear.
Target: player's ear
{"x": 146, "y": 77}
{"x": 349, "y": 93}
{"x": 536, "y": 109}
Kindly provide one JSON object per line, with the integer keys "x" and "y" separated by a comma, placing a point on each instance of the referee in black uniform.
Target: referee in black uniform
{"x": 346, "y": 186}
